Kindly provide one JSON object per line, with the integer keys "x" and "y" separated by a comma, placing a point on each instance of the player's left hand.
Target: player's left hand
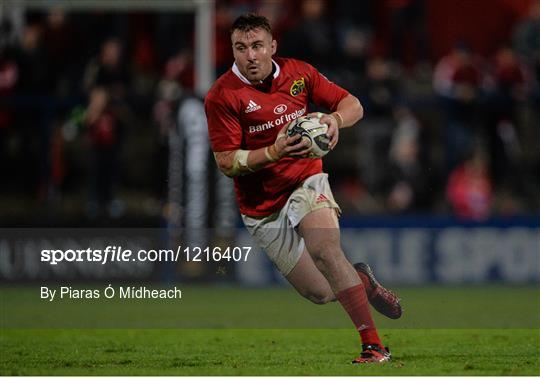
{"x": 333, "y": 129}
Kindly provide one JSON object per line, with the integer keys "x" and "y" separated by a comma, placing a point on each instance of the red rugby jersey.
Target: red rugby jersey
{"x": 240, "y": 116}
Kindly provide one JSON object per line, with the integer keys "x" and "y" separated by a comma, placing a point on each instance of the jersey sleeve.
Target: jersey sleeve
{"x": 323, "y": 92}
{"x": 224, "y": 128}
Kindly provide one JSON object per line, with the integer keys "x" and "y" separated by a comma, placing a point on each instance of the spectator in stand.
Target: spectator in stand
{"x": 355, "y": 42}
{"x": 107, "y": 79}
{"x": 312, "y": 37}
{"x": 408, "y": 35}
{"x": 469, "y": 190}
{"x": 407, "y": 181}
{"x": 527, "y": 38}
{"x": 457, "y": 80}
{"x": 104, "y": 131}
{"x": 280, "y": 13}
{"x": 510, "y": 80}
{"x": 109, "y": 70}
{"x": 169, "y": 92}
{"x": 9, "y": 75}
{"x": 144, "y": 61}
{"x": 33, "y": 115}
{"x": 508, "y": 92}
{"x": 165, "y": 112}
{"x": 32, "y": 61}
{"x": 222, "y": 51}
{"x": 380, "y": 93}
{"x": 527, "y": 45}
{"x": 59, "y": 41}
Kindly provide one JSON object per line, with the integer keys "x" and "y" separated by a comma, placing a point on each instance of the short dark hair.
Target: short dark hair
{"x": 250, "y": 21}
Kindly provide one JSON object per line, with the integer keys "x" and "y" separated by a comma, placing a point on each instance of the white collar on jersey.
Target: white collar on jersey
{"x": 237, "y": 72}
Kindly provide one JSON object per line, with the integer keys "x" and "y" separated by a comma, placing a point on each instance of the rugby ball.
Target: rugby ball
{"x": 310, "y": 129}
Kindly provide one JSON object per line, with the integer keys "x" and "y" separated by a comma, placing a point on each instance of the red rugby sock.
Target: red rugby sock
{"x": 365, "y": 281}
{"x": 355, "y": 302}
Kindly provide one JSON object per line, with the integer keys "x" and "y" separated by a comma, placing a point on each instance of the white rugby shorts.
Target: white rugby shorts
{"x": 276, "y": 234}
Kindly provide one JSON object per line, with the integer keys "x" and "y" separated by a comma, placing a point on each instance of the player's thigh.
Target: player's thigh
{"x": 320, "y": 231}
{"x": 281, "y": 242}
{"x": 309, "y": 281}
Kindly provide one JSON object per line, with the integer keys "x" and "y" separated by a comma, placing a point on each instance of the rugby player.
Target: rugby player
{"x": 284, "y": 198}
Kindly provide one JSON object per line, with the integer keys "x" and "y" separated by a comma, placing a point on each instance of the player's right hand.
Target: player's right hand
{"x": 293, "y": 146}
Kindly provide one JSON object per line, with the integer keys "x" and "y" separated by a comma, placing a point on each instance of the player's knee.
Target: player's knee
{"x": 319, "y": 298}
{"x": 326, "y": 255}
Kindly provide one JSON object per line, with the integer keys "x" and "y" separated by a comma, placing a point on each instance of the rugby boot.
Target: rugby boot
{"x": 382, "y": 299}
{"x": 373, "y": 354}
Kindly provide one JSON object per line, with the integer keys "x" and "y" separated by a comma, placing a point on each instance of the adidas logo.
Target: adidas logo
{"x": 362, "y": 327}
{"x": 321, "y": 198}
{"x": 252, "y": 106}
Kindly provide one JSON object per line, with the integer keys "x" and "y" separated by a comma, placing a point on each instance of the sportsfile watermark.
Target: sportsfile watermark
{"x": 206, "y": 278}
{"x": 120, "y": 254}
{"x": 145, "y": 255}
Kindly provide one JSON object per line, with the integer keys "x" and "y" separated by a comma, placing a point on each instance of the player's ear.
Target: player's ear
{"x": 274, "y": 46}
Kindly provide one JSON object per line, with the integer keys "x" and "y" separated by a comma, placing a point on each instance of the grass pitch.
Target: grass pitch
{"x": 221, "y": 337}
{"x": 264, "y": 352}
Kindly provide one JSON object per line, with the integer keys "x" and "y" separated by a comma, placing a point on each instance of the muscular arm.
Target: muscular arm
{"x": 256, "y": 159}
{"x": 241, "y": 162}
{"x": 350, "y": 110}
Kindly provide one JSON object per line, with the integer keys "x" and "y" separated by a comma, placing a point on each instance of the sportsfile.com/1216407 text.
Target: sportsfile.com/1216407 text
{"x": 119, "y": 254}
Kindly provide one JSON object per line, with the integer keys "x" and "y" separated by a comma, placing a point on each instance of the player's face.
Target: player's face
{"x": 253, "y": 52}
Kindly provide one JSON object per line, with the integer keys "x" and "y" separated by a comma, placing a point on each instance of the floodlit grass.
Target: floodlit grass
{"x": 230, "y": 331}
{"x": 264, "y": 352}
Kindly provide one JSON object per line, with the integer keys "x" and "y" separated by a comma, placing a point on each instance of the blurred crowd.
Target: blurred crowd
{"x": 87, "y": 100}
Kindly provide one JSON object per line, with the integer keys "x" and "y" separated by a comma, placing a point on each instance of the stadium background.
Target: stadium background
{"x": 450, "y": 136}
{"x": 102, "y": 133}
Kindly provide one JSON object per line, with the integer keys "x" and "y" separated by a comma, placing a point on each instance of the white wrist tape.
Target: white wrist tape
{"x": 269, "y": 156}
{"x": 240, "y": 162}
